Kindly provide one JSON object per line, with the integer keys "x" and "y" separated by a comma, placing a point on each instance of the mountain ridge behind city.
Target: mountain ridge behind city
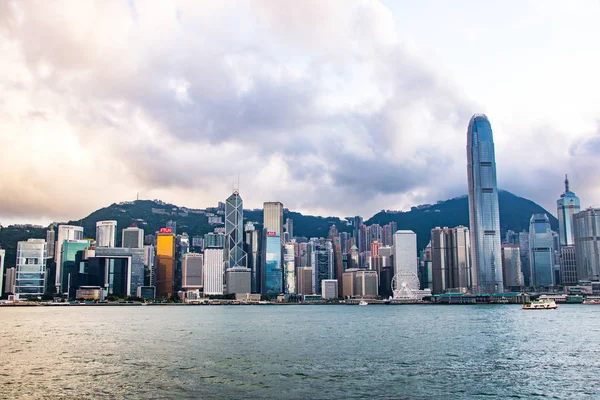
{"x": 151, "y": 215}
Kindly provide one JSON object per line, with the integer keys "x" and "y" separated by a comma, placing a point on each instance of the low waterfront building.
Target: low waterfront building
{"x": 90, "y": 293}
{"x": 329, "y": 289}
{"x": 146, "y": 292}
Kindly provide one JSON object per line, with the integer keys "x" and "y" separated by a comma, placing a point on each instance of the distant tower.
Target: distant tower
{"x": 541, "y": 251}
{"x": 567, "y": 206}
{"x": 132, "y": 237}
{"x": 235, "y": 256}
{"x": 484, "y": 216}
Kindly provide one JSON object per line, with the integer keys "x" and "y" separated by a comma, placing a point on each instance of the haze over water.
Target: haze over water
{"x": 295, "y": 352}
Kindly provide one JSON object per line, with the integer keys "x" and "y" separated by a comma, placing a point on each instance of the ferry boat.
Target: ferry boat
{"x": 547, "y": 304}
{"x": 592, "y": 301}
{"x": 363, "y": 303}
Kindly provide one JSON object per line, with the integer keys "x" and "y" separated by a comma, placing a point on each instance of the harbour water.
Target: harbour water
{"x": 300, "y": 352}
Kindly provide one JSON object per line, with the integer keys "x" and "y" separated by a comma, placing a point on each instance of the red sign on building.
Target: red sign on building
{"x": 271, "y": 233}
{"x": 166, "y": 230}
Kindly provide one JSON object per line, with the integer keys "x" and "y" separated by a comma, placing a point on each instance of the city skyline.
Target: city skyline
{"x": 371, "y": 89}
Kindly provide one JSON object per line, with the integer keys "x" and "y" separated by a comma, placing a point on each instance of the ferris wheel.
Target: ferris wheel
{"x": 405, "y": 285}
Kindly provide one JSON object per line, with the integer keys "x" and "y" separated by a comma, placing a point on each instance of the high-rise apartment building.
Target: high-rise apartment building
{"x": 235, "y": 256}
{"x": 567, "y": 206}
{"x": 65, "y": 232}
{"x": 192, "y": 266}
{"x": 165, "y": 263}
{"x": 541, "y": 252}
{"x": 587, "y": 244}
{"x": 511, "y": 266}
{"x": 484, "y": 215}
{"x": 133, "y": 238}
{"x": 30, "y": 271}
{"x": 212, "y": 276}
{"x": 106, "y": 233}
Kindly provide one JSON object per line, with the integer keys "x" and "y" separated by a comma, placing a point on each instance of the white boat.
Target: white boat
{"x": 363, "y": 303}
{"x": 546, "y": 304}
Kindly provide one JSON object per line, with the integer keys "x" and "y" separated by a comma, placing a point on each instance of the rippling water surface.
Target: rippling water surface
{"x": 297, "y": 352}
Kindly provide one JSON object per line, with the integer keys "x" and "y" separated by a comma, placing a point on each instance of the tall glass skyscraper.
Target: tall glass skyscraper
{"x": 272, "y": 274}
{"x": 567, "y": 206}
{"x": 541, "y": 252}
{"x": 484, "y": 215}
{"x": 235, "y": 255}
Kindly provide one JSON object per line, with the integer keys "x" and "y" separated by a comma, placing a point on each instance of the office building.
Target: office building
{"x": 212, "y": 275}
{"x": 150, "y": 265}
{"x": 289, "y": 270}
{"x": 123, "y": 269}
{"x": 9, "y": 281}
{"x": 541, "y": 252}
{"x": 272, "y": 272}
{"x": 568, "y": 266}
{"x": 304, "y": 282}
{"x": 338, "y": 262}
{"x": 354, "y": 257}
{"x": 192, "y": 266}
{"x": 165, "y": 263}
{"x": 30, "y": 271}
{"x": 2, "y": 256}
{"x": 252, "y": 249}
{"x": 524, "y": 249}
{"x": 405, "y": 255}
{"x": 511, "y": 267}
{"x": 484, "y": 217}
{"x": 357, "y": 234}
{"x": 214, "y": 240}
{"x": 587, "y": 244}
{"x": 366, "y": 284}
{"x": 238, "y": 280}
{"x": 329, "y": 289}
{"x": 450, "y": 259}
{"x": 289, "y": 227}
{"x": 65, "y": 232}
{"x": 106, "y": 233}
{"x": 273, "y": 218}
{"x": 132, "y": 238}
{"x": 70, "y": 264}
{"x": 50, "y": 243}
{"x": 567, "y": 206}
{"x": 235, "y": 256}
{"x": 321, "y": 263}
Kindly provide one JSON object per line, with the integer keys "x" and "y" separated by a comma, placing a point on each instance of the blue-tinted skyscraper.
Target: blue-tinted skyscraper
{"x": 484, "y": 215}
{"x": 235, "y": 256}
{"x": 567, "y": 206}
{"x": 272, "y": 273}
{"x": 541, "y": 251}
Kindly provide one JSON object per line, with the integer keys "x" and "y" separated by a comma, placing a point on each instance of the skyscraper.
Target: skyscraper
{"x": 511, "y": 266}
{"x": 50, "y": 243}
{"x": 587, "y": 244}
{"x": 106, "y": 233}
{"x": 289, "y": 227}
{"x": 235, "y": 256}
{"x": 2, "y": 255}
{"x": 212, "y": 274}
{"x": 30, "y": 273}
{"x": 65, "y": 232}
{"x": 289, "y": 270}
{"x": 406, "y": 263}
{"x": 322, "y": 263}
{"x": 541, "y": 252}
{"x": 273, "y": 217}
{"x": 165, "y": 263}
{"x": 451, "y": 259}
{"x": 567, "y": 206}
{"x": 484, "y": 217}
{"x": 272, "y": 273}
{"x": 252, "y": 249}
{"x": 192, "y": 266}
{"x": 133, "y": 238}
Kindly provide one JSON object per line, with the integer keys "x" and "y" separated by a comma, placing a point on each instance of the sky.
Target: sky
{"x": 331, "y": 107}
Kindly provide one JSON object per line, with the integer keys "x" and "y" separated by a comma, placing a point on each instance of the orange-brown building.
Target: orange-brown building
{"x": 165, "y": 263}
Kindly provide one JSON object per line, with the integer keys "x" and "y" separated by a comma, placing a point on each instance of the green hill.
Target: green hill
{"x": 515, "y": 213}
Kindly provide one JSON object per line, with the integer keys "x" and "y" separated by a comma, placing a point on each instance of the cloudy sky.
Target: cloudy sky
{"x": 336, "y": 108}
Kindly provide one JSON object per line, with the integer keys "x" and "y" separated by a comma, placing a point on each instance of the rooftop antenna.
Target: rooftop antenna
{"x": 566, "y": 183}
{"x": 236, "y": 187}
